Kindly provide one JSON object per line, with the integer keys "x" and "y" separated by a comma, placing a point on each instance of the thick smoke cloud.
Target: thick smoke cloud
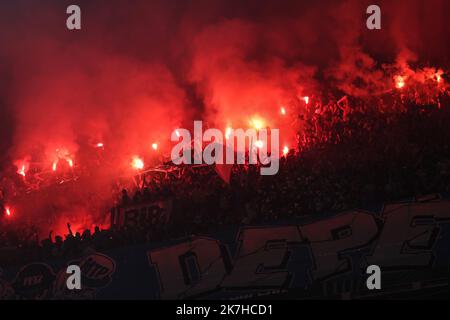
{"x": 138, "y": 70}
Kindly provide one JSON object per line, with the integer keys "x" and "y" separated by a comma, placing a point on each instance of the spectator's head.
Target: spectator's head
{"x": 59, "y": 240}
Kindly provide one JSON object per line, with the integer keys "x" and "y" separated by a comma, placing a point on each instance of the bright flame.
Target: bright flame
{"x": 257, "y": 123}
{"x": 100, "y": 145}
{"x": 228, "y": 133}
{"x": 8, "y": 211}
{"x": 21, "y": 171}
{"x": 54, "y": 165}
{"x": 137, "y": 163}
{"x": 306, "y": 99}
{"x": 22, "y": 166}
{"x": 155, "y": 146}
{"x": 285, "y": 150}
{"x": 439, "y": 76}
{"x": 70, "y": 162}
{"x": 399, "y": 82}
{"x": 259, "y": 144}
{"x": 283, "y": 111}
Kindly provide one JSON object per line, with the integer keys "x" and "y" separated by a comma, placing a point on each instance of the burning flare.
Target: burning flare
{"x": 306, "y": 99}
{"x": 259, "y": 144}
{"x": 137, "y": 163}
{"x": 257, "y": 123}
{"x": 22, "y": 166}
{"x": 399, "y": 82}
{"x": 22, "y": 171}
{"x": 228, "y": 133}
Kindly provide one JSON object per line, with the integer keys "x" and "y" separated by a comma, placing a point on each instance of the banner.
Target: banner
{"x": 322, "y": 258}
{"x": 142, "y": 214}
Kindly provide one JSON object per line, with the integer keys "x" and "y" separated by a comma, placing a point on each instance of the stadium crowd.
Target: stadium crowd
{"x": 350, "y": 154}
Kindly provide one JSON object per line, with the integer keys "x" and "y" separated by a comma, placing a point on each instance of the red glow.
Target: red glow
{"x": 399, "y": 82}
{"x": 137, "y": 163}
{"x": 22, "y": 166}
{"x": 131, "y": 99}
{"x": 259, "y": 144}
{"x": 306, "y": 99}
{"x": 438, "y": 76}
{"x": 228, "y": 133}
{"x": 8, "y": 211}
{"x": 257, "y": 123}
{"x": 22, "y": 171}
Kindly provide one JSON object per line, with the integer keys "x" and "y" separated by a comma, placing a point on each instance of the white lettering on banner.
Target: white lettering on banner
{"x": 408, "y": 237}
{"x": 190, "y": 268}
{"x": 409, "y": 232}
{"x": 262, "y": 257}
{"x": 328, "y": 238}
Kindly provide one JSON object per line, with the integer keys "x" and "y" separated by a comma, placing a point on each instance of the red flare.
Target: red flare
{"x": 306, "y": 99}
{"x": 227, "y": 133}
{"x": 399, "y": 82}
{"x": 257, "y": 123}
{"x": 22, "y": 171}
{"x": 137, "y": 163}
{"x": 259, "y": 144}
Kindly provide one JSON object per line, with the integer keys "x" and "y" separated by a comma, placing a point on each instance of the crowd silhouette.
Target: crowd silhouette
{"x": 350, "y": 153}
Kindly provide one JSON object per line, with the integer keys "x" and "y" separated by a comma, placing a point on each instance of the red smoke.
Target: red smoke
{"x": 138, "y": 70}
